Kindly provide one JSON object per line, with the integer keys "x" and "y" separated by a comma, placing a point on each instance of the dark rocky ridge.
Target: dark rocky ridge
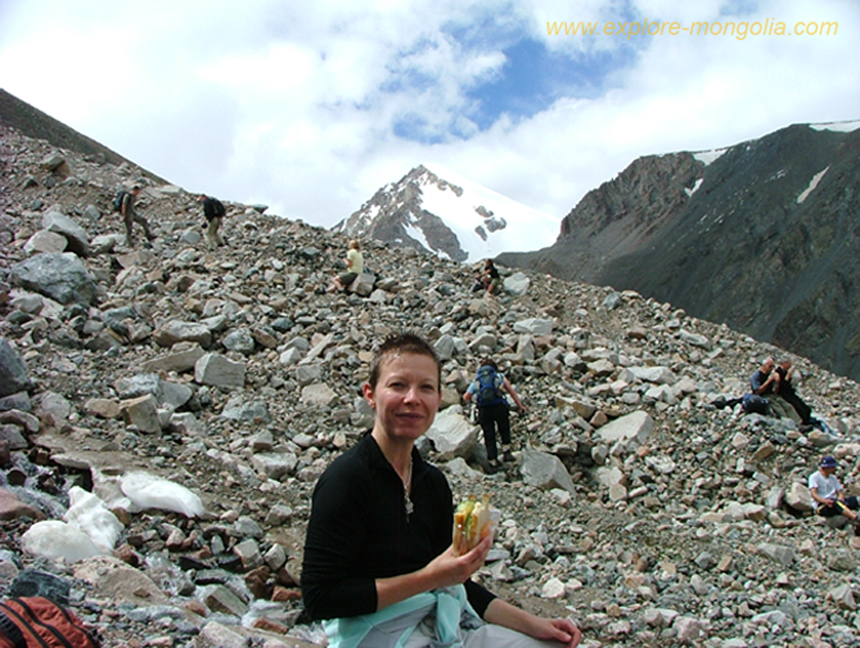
{"x": 34, "y": 123}
{"x": 741, "y": 249}
{"x": 618, "y": 218}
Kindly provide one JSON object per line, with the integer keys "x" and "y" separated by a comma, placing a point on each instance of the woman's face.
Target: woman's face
{"x": 406, "y": 396}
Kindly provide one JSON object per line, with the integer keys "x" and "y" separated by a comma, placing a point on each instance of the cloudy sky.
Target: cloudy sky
{"x": 310, "y": 107}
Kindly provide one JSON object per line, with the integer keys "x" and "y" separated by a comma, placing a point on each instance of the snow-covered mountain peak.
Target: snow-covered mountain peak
{"x": 438, "y": 210}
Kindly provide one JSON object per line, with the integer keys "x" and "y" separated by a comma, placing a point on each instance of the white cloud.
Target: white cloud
{"x": 294, "y": 104}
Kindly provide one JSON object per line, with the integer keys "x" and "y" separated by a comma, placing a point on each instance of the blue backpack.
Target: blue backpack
{"x": 488, "y": 392}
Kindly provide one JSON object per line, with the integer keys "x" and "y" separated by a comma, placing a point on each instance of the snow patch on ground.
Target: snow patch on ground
{"x": 695, "y": 188}
{"x": 707, "y": 157}
{"x": 837, "y": 126}
{"x": 812, "y": 185}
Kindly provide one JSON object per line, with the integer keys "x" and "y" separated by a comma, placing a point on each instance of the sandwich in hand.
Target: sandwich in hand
{"x": 471, "y": 523}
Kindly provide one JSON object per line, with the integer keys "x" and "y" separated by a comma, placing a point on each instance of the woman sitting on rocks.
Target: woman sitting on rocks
{"x": 379, "y": 565}
{"x": 354, "y": 266}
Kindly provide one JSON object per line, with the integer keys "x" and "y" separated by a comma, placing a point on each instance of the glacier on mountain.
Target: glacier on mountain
{"x": 441, "y": 211}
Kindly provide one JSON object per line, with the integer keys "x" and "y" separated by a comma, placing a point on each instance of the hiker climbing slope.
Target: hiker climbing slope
{"x": 214, "y": 211}
{"x": 489, "y": 389}
{"x": 130, "y": 215}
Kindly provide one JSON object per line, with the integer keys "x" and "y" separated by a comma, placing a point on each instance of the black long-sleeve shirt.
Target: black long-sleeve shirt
{"x": 359, "y": 531}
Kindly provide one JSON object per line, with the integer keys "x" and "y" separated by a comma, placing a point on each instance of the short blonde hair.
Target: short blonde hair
{"x": 353, "y": 244}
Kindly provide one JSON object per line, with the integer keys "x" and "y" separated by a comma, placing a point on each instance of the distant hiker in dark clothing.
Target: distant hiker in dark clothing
{"x": 489, "y": 389}
{"x": 130, "y": 216}
{"x": 786, "y": 391}
{"x": 765, "y": 382}
{"x": 489, "y": 279}
{"x": 213, "y": 210}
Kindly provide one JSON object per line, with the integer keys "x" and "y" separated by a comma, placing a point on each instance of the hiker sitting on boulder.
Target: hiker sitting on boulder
{"x": 489, "y": 279}
{"x": 489, "y": 389}
{"x": 785, "y": 389}
{"x": 828, "y": 496}
{"x": 354, "y": 266}
{"x": 764, "y": 382}
{"x": 379, "y": 564}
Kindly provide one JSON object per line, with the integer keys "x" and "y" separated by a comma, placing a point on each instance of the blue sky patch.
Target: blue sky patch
{"x": 534, "y": 77}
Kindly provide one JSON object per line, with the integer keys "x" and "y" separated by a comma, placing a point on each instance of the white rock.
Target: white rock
{"x": 553, "y": 589}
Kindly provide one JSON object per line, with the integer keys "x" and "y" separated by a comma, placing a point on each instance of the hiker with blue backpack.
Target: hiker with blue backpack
{"x": 489, "y": 389}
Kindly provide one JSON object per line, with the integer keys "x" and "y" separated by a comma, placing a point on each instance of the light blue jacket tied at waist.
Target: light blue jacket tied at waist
{"x": 391, "y": 627}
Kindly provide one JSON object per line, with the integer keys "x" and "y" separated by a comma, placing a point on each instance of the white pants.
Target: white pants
{"x": 486, "y": 636}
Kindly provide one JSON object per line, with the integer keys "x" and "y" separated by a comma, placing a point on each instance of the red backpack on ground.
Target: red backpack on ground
{"x": 35, "y": 621}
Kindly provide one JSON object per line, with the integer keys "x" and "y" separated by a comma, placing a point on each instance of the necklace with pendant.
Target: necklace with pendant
{"x": 407, "y": 503}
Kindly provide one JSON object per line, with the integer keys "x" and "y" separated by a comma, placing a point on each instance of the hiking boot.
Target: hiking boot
{"x": 805, "y": 427}
{"x": 856, "y": 525}
{"x": 507, "y": 455}
{"x": 494, "y": 466}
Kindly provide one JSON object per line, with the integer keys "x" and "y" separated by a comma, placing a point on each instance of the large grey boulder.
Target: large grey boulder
{"x": 452, "y": 435}
{"x": 799, "y": 497}
{"x": 308, "y": 374}
{"x": 58, "y": 275}
{"x": 781, "y": 554}
{"x": 318, "y": 394}
{"x": 182, "y": 357}
{"x": 363, "y": 284}
{"x": 239, "y": 340}
{"x": 238, "y": 410}
{"x": 628, "y": 431}
{"x": 45, "y": 241}
{"x": 534, "y": 326}
{"x": 444, "y": 348}
{"x": 13, "y": 372}
{"x": 219, "y": 371}
{"x": 656, "y": 375}
{"x": 517, "y": 284}
{"x": 142, "y": 412}
{"x": 275, "y": 465}
{"x": 175, "y": 331}
{"x": 545, "y": 471}
{"x": 79, "y": 240}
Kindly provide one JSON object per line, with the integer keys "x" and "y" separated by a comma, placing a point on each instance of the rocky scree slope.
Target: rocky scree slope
{"x": 649, "y": 516}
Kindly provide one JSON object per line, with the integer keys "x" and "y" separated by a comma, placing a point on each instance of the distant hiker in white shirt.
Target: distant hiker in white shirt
{"x": 828, "y": 496}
